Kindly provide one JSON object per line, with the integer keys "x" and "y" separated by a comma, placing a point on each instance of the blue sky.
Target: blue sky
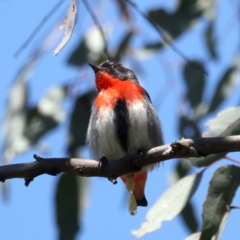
{"x": 28, "y": 213}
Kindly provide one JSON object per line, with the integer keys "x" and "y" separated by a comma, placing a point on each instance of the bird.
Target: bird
{"x": 123, "y": 121}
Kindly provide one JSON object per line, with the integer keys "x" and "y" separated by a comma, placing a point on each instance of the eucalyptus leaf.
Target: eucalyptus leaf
{"x": 227, "y": 123}
{"x": 67, "y": 206}
{"x": 79, "y": 121}
{"x": 47, "y": 115}
{"x": 223, "y": 186}
{"x": 170, "y": 204}
{"x": 68, "y": 24}
{"x": 222, "y": 226}
{"x": 15, "y": 119}
{"x": 195, "y": 80}
{"x": 194, "y": 236}
{"x": 89, "y": 49}
{"x": 225, "y": 86}
{"x": 187, "y": 214}
{"x": 79, "y": 56}
{"x": 187, "y": 13}
{"x": 211, "y": 40}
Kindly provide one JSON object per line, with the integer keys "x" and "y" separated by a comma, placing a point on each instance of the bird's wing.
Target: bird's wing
{"x": 154, "y": 125}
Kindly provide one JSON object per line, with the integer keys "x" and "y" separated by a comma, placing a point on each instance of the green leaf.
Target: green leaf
{"x": 25, "y": 126}
{"x": 223, "y": 186}
{"x": 183, "y": 167}
{"x": 176, "y": 23}
{"x": 185, "y": 16}
{"x": 211, "y": 40}
{"x": 79, "y": 121}
{"x": 153, "y": 46}
{"x": 90, "y": 49}
{"x": 39, "y": 124}
{"x": 206, "y": 161}
{"x": 187, "y": 214}
{"x": 79, "y": 55}
{"x": 67, "y": 206}
{"x": 222, "y": 226}
{"x": 194, "y": 236}
{"x": 68, "y": 23}
{"x": 47, "y": 115}
{"x": 170, "y": 204}
{"x": 227, "y": 123}
{"x": 14, "y": 122}
{"x": 189, "y": 217}
{"x": 225, "y": 86}
{"x": 195, "y": 80}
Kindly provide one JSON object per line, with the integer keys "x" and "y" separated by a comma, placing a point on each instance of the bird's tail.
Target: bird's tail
{"x": 140, "y": 179}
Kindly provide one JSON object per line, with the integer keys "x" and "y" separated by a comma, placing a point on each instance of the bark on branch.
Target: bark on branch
{"x": 185, "y": 148}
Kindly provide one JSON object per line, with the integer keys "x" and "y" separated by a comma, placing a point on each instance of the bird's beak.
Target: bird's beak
{"x": 96, "y": 68}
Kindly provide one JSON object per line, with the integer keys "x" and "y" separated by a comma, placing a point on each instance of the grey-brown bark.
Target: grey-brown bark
{"x": 185, "y": 148}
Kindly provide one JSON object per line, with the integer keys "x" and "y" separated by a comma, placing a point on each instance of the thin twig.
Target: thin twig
{"x": 185, "y": 148}
{"x": 166, "y": 38}
{"x": 231, "y": 159}
{"x": 39, "y": 26}
{"x": 97, "y": 23}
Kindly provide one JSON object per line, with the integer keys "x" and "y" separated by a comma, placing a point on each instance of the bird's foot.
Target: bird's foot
{"x": 142, "y": 151}
{"x": 102, "y": 161}
{"x": 136, "y": 168}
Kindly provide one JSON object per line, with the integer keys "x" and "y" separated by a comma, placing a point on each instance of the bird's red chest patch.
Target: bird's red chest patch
{"x": 112, "y": 89}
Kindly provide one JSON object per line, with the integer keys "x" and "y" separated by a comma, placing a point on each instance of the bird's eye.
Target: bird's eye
{"x": 114, "y": 66}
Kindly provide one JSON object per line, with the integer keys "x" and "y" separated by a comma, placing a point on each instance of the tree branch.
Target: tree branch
{"x": 185, "y": 148}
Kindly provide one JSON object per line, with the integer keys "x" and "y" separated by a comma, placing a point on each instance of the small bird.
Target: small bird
{"x": 123, "y": 121}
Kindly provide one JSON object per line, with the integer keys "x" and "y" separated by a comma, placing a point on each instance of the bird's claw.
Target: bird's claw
{"x": 142, "y": 151}
{"x": 102, "y": 161}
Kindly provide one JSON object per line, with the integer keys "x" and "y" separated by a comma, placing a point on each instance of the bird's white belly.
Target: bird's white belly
{"x": 138, "y": 129}
{"x": 108, "y": 144}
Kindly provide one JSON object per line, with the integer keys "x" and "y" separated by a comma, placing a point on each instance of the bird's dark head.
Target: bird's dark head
{"x": 116, "y": 70}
